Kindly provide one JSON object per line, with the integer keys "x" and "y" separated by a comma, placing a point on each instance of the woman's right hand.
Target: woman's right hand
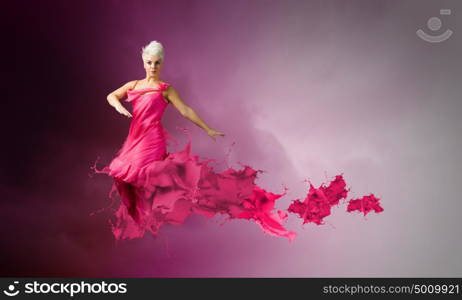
{"x": 122, "y": 110}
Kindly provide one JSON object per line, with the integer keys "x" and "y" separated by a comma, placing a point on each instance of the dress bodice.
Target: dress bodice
{"x": 148, "y": 103}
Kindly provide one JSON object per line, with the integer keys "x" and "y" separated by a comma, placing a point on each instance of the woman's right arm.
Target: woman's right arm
{"x": 114, "y": 98}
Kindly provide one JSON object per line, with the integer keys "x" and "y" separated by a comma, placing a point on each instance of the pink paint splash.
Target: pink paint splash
{"x": 318, "y": 203}
{"x": 180, "y": 185}
{"x": 170, "y": 190}
{"x": 366, "y": 204}
{"x": 259, "y": 207}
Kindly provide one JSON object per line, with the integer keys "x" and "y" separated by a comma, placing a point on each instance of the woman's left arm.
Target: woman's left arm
{"x": 189, "y": 113}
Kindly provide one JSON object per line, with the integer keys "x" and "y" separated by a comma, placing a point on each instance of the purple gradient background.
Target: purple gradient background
{"x": 306, "y": 89}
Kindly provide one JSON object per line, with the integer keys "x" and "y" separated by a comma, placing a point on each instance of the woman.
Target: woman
{"x": 158, "y": 188}
{"x": 146, "y": 141}
{"x": 153, "y": 59}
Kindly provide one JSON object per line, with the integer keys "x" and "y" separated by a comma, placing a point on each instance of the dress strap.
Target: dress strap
{"x": 164, "y": 86}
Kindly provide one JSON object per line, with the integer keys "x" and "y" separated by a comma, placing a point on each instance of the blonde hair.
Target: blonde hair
{"x": 153, "y": 48}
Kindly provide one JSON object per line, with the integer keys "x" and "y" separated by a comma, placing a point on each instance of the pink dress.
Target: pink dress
{"x": 146, "y": 140}
{"x": 158, "y": 188}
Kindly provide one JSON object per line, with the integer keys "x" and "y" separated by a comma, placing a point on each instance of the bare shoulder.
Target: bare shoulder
{"x": 122, "y": 91}
{"x": 131, "y": 84}
{"x": 170, "y": 89}
{"x": 172, "y": 95}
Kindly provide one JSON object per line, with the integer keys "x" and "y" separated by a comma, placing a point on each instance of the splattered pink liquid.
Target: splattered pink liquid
{"x": 158, "y": 188}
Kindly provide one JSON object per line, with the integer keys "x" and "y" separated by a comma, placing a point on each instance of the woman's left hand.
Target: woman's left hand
{"x": 212, "y": 133}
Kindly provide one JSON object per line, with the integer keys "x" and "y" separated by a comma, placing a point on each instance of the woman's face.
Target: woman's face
{"x": 152, "y": 65}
